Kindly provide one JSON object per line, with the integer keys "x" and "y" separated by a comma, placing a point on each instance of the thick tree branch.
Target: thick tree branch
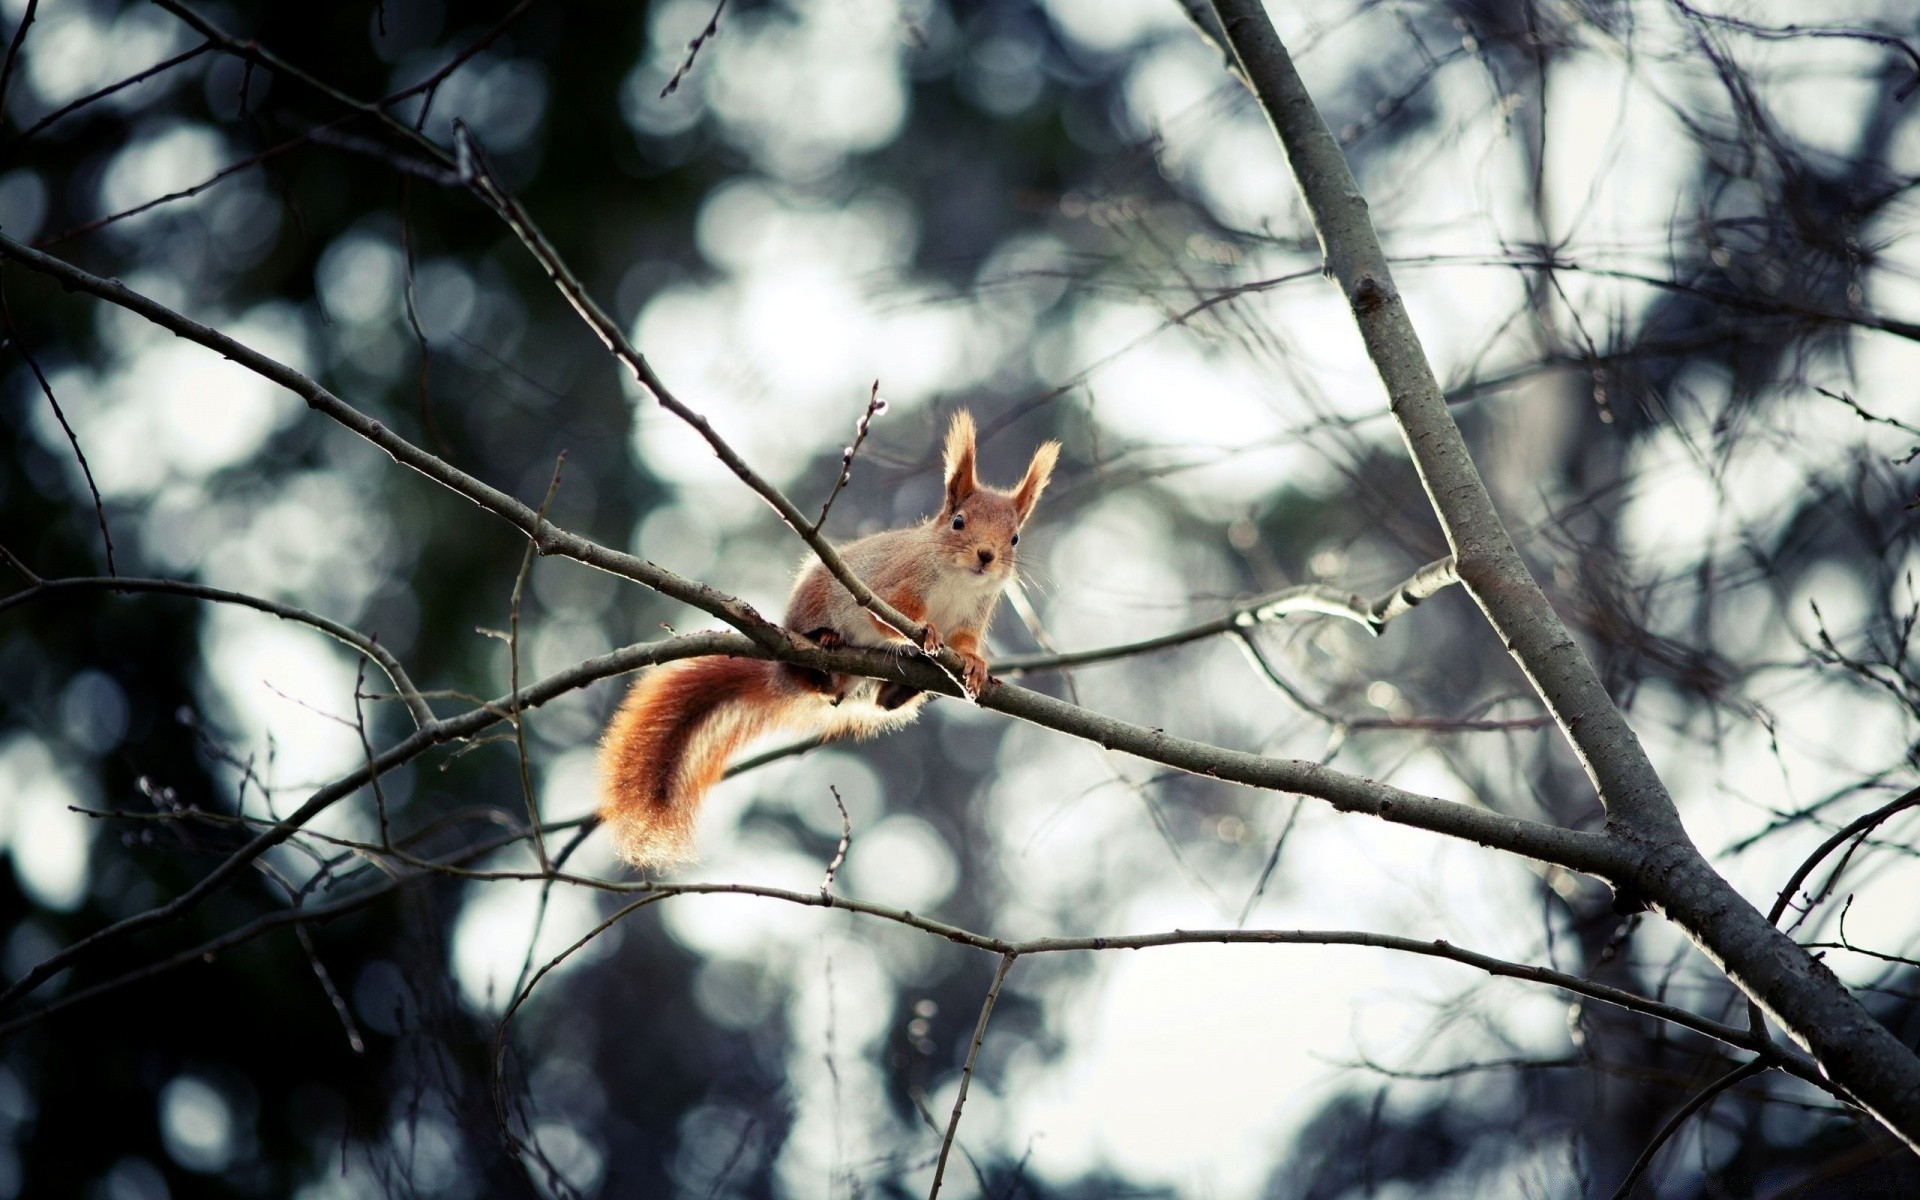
{"x": 1801, "y": 993}
{"x": 1578, "y": 851}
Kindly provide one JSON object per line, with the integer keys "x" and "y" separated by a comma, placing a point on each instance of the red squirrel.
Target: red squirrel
{"x": 680, "y": 723}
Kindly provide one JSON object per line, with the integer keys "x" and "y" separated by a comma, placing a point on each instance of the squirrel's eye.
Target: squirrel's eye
{"x": 1016, "y": 539}
{"x": 959, "y": 520}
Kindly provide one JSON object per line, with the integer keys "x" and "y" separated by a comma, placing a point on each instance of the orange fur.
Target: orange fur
{"x": 681, "y": 722}
{"x": 670, "y": 742}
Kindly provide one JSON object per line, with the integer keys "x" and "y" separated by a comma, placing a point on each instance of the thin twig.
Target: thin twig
{"x": 185, "y": 193}
{"x": 41, "y": 589}
{"x": 13, "y": 49}
{"x": 966, "y": 1072}
{"x": 366, "y": 749}
{"x": 26, "y": 572}
{"x": 1700, "y": 1100}
{"x": 1781, "y": 33}
{"x": 875, "y": 406}
{"x": 513, "y": 662}
{"x": 110, "y": 89}
{"x": 1864, "y": 415}
{"x": 693, "y": 50}
{"x": 846, "y": 840}
{"x": 355, "y": 1042}
{"x": 1858, "y": 827}
{"x": 73, "y": 439}
{"x": 1273, "y": 860}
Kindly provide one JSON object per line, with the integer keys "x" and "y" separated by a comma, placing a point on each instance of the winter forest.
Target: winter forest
{"x": 1454, "y": 727}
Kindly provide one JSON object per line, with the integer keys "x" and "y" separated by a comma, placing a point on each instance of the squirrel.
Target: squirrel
{"x": 680, "y": 722}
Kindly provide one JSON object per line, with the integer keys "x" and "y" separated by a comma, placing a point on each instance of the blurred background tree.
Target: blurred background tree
{"x": 1662, "y": 259}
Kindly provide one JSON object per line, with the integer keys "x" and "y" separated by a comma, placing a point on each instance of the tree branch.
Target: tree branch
{"x": 966, "y": 1072}
{"x": 416, "y": 704}
{"x": 1307, "y": 598}
{"x": 548, "y": 537}
{"x": 1802, "y": 994}
{"x": 436, "y": 733}
{"x": 1699, "y": 1100}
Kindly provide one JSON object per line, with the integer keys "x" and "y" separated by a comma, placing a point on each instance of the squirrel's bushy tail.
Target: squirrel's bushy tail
{"x": 670, "y": 742}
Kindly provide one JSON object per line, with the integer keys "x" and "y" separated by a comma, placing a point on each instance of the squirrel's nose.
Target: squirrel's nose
{"x": 986, "y": 556}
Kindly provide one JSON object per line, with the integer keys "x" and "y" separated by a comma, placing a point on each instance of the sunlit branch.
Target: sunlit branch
{"x": 1307, "y": 598}
{"x": 693, "y": 49}
{"x": 875, "y": 406}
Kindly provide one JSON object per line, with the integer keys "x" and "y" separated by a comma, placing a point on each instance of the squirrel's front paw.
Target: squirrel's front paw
{"x": 973, "y": 672}
{"x": 827, "y": 638}
{"x": 930, "y": 639}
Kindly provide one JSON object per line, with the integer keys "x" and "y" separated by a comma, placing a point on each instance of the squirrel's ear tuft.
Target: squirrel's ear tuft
{"x": 961, "y": 480}
{"x": 1038, "y": 472}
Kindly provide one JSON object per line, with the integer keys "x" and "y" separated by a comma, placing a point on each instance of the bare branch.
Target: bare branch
{"x": 1859, "y": 827}
{"x": 1781, "y": 33}
{"x": 1700, "y": 1100}
{"x": 875, "y": 406}
{"x": 73, "y": 439}
{"x": 435, "y": 733}
{"x": 618, "y": 344}
{"x": 110, "y": 89}
{"x": 846, "y": 840}
{"x": 513, "y": 665}
{"x": 966, "y": 1072}
{"x": 1307, "y": 598}
{"x": 693, "y": 50}
{"x": 549, "y": 538}
{"x": 1862, "y": 1055}
{"x": 13, "y": 49}
{"x": 648, "y": 892}
{"x": 41, "y": 589}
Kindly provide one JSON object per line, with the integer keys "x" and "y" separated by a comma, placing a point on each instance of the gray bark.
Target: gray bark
{"x": 1663, "y": 866}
